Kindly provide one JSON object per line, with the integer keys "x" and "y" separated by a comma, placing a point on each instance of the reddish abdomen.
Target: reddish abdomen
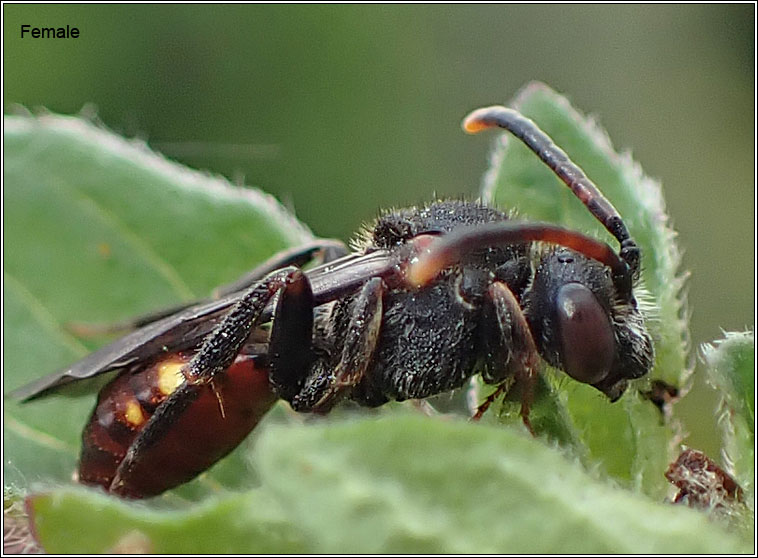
{"x": 210, "y": 422}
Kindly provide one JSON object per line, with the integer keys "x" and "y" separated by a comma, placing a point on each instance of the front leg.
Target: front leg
{"x": 514, "y": 351}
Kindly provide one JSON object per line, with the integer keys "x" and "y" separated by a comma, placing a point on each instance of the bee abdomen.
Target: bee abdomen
{"x": 123, "y": 408}
{"x": 212, "y": 419}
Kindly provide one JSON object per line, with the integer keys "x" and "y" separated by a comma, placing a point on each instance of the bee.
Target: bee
{"x": 429, "y": 297}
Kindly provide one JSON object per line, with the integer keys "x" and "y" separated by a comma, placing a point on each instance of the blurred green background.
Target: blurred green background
{"x": 342, "y": 110}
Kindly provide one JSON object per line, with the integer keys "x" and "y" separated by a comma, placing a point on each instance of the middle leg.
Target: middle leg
{"x": 313, "y": 382}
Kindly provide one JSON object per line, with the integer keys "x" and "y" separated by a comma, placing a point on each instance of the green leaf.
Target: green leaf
{"x": 98, "y": 229}
{"x": 401, "y": 484}
{"x": 219, "y": 526}
{"x": 628, "y": 439}
{"x": 731, "y": 370}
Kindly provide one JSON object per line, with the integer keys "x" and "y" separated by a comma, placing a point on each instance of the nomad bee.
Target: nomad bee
{"x": 430, "y": 297}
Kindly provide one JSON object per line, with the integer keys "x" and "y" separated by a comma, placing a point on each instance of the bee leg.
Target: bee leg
{"x": 514, "y": 352}
{"x": 291, "y": 342}
{"x": 360, "y": 343}
{"x": 326, "y": 384}
{"x": 206, "y": 416}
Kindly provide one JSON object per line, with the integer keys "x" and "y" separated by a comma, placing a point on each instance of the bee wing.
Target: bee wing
{"x": 187, "y": 327}
{"x": 170, "y": 334}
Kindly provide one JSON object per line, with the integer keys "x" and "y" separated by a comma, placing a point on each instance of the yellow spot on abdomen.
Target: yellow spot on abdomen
{"x": 133, "y": 413}
{"x": 170, "y": 377}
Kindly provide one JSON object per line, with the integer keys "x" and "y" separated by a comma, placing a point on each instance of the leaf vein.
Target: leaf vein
{"x": 41, "y": 438}
{"x": 44, "y": 316}
{"x": 138, "y": 244}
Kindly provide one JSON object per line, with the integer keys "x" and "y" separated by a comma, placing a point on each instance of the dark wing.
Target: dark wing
{"x": 187, "y": 328}
{"x": 169, "y": 334}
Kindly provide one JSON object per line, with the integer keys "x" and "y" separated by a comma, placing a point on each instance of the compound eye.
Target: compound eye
{"x": 587, "y": 342}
